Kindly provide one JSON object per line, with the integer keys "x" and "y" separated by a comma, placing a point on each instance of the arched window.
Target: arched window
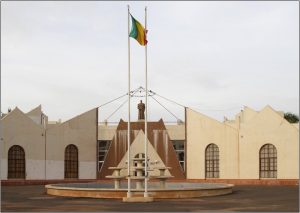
{"x": 268, "y": 161}
{"x": 16, "y": 162}
{"x": 71, "y": 161}
{"x": 212, "y": 161}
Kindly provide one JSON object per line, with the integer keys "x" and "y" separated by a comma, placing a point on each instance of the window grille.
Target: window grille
{"x": 103, "y": 147}
{"x": 16, "y": 162}
{"x": 268, "y": 161}
{"x": 212, "y": 161}
{"x": 178, "y": 146}
{"x": 71, "y": 161}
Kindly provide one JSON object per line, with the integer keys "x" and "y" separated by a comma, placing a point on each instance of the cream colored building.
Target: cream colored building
{"x": 255, "y": 145}
{"x": 240, "y": 142}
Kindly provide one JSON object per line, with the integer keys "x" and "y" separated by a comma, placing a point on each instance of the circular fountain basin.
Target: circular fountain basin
{"x": 172, "y": 190}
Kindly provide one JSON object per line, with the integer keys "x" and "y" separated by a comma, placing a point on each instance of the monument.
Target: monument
{"x": 141, "y": 107}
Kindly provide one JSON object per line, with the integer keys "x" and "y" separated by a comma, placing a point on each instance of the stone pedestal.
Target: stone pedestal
{"x": 138, "y": 199}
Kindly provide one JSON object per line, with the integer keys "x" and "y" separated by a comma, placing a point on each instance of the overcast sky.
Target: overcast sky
{"x": 215, "y": 57}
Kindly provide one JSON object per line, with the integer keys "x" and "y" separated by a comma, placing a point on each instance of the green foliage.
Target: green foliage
{"x": 290, "y": 117}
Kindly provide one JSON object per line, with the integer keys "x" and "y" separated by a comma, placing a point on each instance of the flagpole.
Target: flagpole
{"x": 128, "y": 125}
{"x": 146, "y": 114}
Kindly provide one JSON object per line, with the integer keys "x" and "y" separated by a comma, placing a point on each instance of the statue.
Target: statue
{"x": 141, "y": 107}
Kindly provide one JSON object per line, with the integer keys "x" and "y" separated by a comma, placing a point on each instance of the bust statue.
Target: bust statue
{"x": 141, "y": 108}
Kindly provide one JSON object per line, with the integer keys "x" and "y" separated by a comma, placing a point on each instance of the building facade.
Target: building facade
{"x": 255, "y": 145}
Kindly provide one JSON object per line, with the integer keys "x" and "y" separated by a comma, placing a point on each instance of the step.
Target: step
{"x": 115, "y": 177}
{"x": 137, "y": 199}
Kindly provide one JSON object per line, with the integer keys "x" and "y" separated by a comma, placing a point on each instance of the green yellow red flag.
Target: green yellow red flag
{"x": 138, "y": 32}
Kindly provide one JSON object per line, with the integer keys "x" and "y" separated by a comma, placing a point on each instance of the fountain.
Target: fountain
{"x": 160, "y": 189}
{"x": 107, "y": 190}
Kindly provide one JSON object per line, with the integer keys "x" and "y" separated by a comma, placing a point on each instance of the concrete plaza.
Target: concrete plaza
{"x": 244, "y": 198}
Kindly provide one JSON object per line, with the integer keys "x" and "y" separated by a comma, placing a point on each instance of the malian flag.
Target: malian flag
{"x": 138, "y": 32}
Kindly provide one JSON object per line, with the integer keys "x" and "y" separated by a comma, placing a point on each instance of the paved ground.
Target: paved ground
{"x": 245, "y": 198}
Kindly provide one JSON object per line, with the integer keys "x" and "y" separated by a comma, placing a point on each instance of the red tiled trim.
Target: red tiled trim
{"x": 229, "y": 181}
{"x": 248, "y": 181}
{"x": 42, "y": 182}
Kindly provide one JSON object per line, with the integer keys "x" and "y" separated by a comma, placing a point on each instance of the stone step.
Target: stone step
{"x": 115, "y": 177}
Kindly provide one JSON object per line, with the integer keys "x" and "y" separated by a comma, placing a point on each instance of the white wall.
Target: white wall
{"x": 80, "y": 131}
{"x": 19, "y": 129}
{"x": 202, "y": 131}
{"x": 269, "y": 127}
{"x": 239, "y": 148}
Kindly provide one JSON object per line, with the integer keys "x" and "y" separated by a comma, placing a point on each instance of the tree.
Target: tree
{"x": 290, "y": 117}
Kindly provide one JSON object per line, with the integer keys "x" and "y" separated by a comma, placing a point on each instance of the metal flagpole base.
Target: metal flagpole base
{"x": 129, "y": 194}
{"x": 146, "y": 194}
